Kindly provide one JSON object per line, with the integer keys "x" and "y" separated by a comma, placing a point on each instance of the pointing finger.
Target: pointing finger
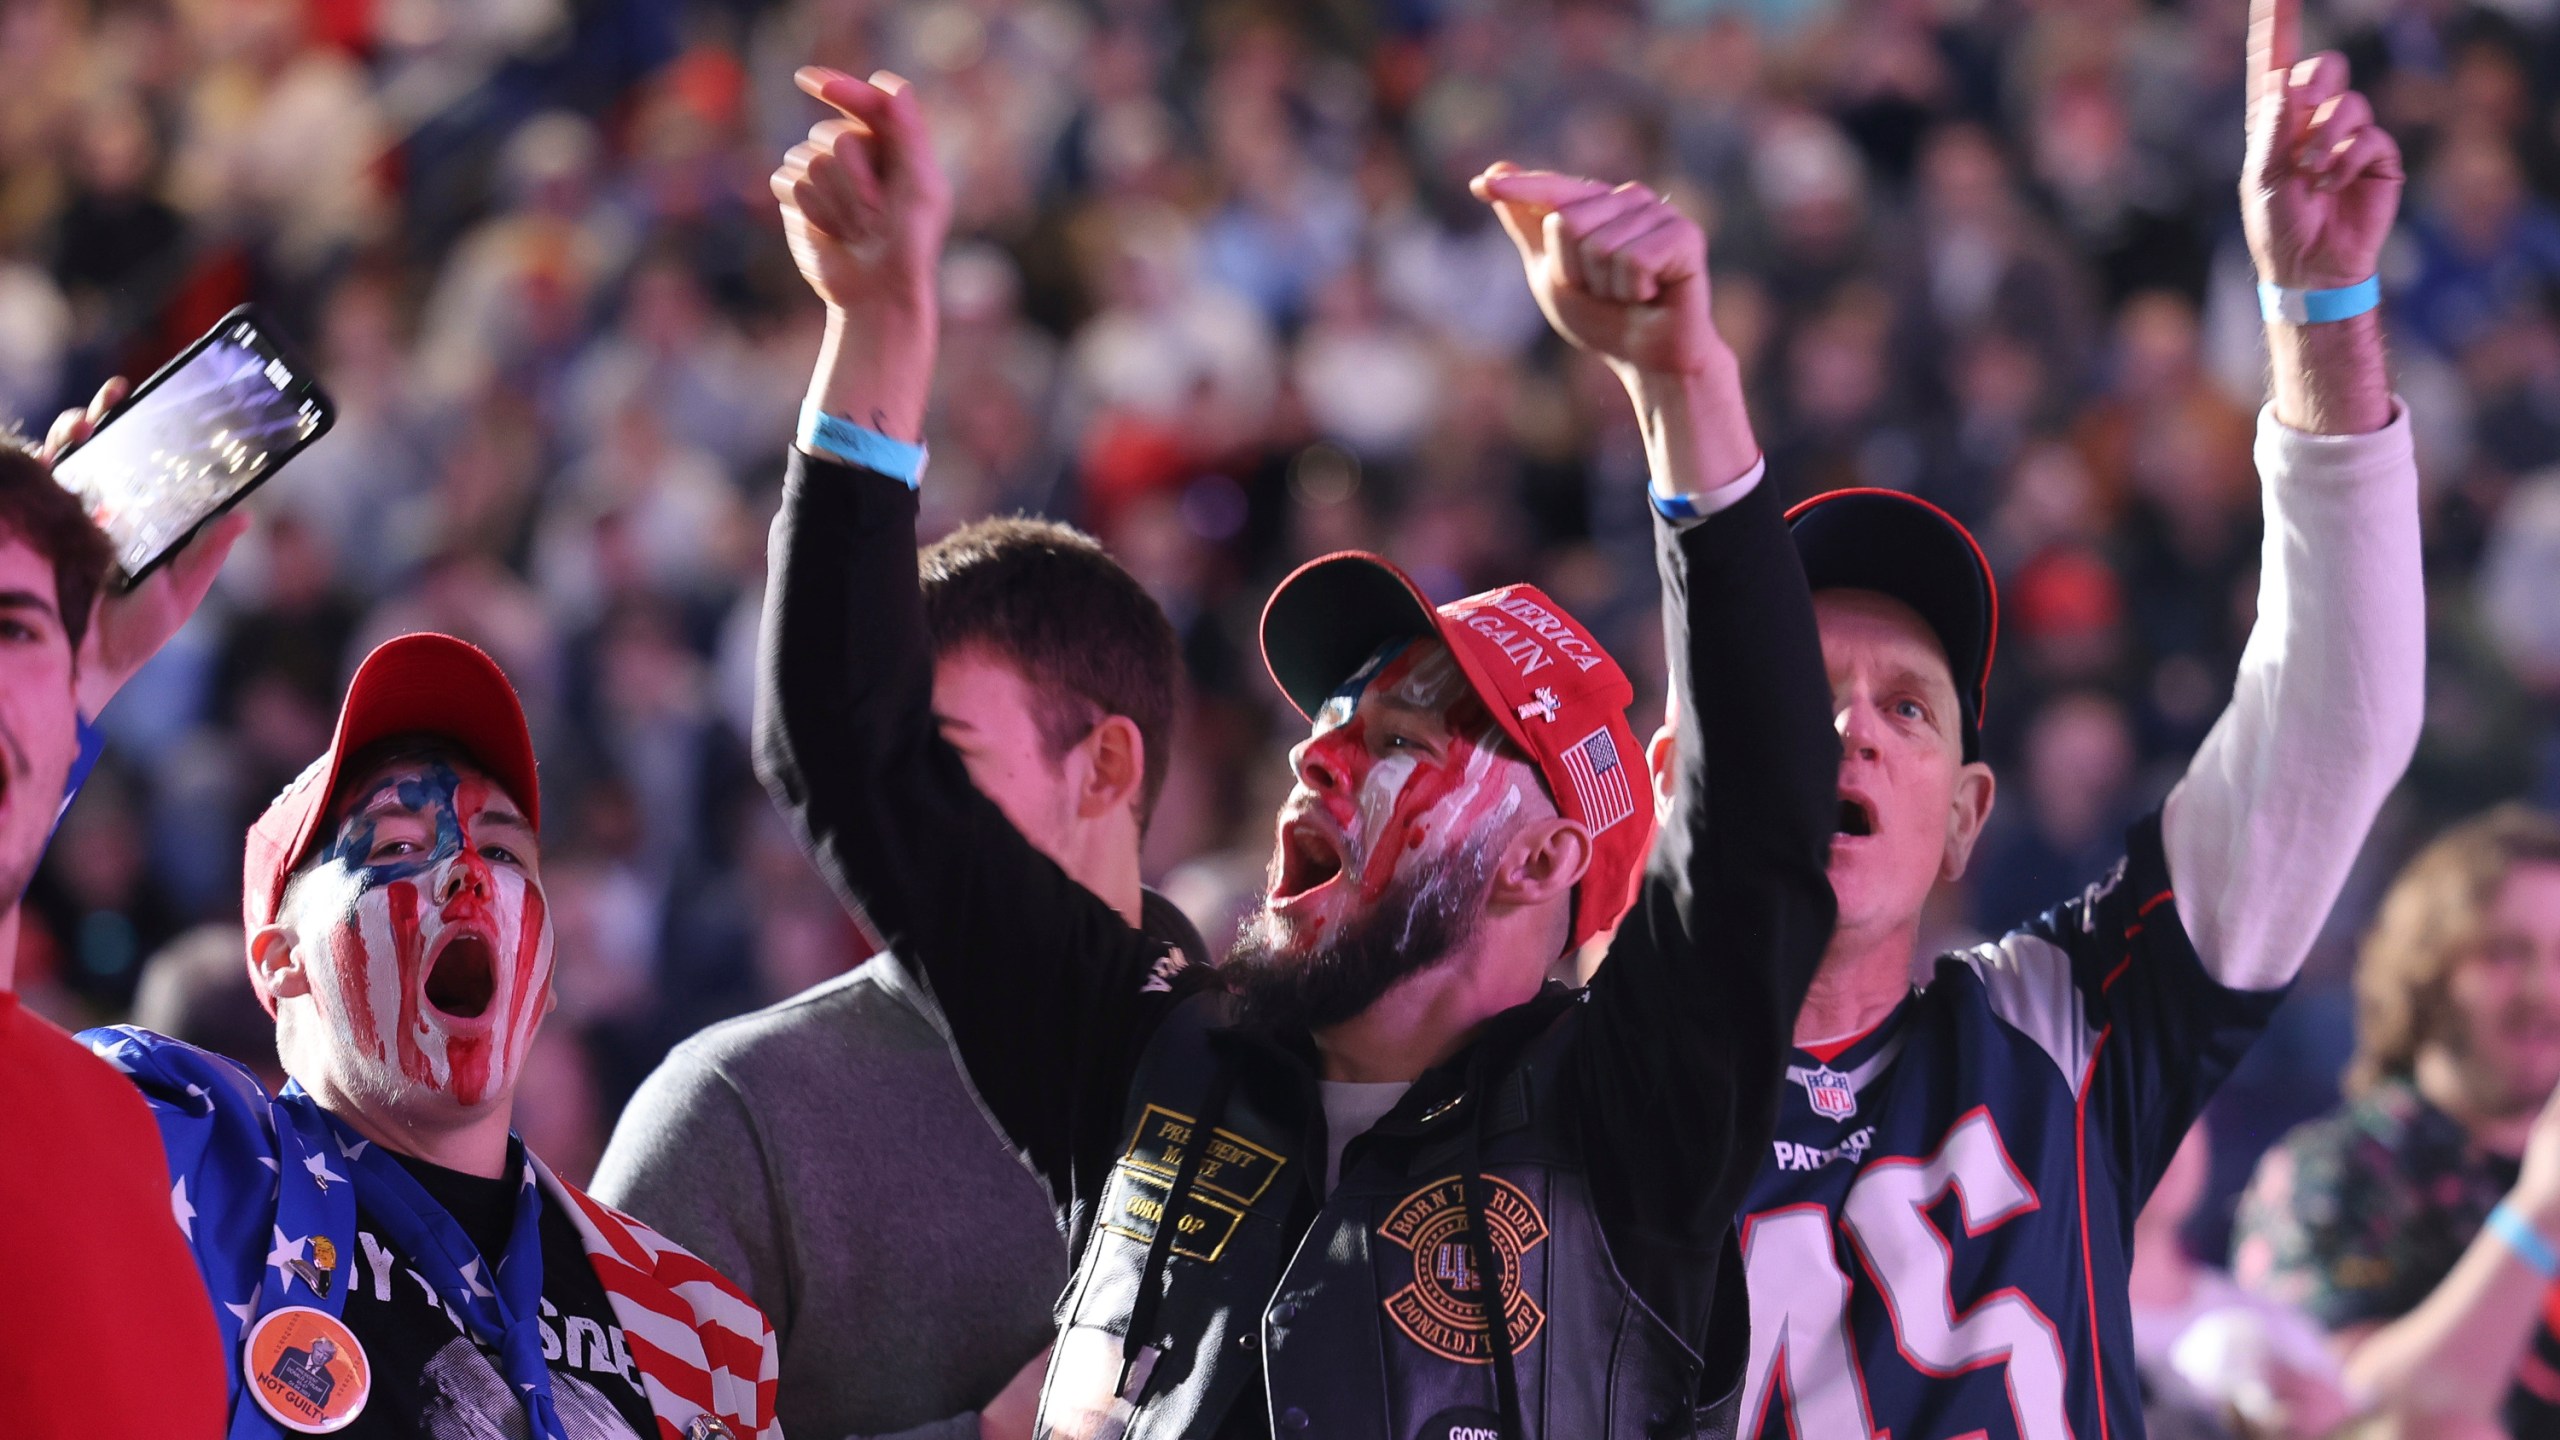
{"x": 2275, "y": 41}
{"x": 900, "y": 123}
{"x": 1520, "y": 222}
{"x": 1543, "y": 188}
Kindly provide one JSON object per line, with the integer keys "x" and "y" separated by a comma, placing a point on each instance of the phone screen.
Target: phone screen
{"x": 199, "y": 435}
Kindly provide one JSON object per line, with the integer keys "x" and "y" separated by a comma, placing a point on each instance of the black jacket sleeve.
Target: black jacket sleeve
{"x": 1692, "y": 1014}
{"x": 1050, "y": 996}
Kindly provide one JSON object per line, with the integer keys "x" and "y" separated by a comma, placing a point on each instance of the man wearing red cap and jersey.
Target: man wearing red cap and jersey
{"x": 385, "y": 1257}
{"x": 1940, "y": 1241}
{"x": 1371, "y": 1176}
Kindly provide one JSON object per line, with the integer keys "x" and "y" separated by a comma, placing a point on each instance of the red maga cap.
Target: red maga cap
{"x": 421, "y": 684}
{"x": 1550, "y": 686}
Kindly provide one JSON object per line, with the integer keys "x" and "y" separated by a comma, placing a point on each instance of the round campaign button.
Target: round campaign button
{"x": 306, "y": 1369}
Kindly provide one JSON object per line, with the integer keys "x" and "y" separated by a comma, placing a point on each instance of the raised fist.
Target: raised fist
{"x": 1619, "y": 270}
{"x": 2321, "y": 184}
{"x": 864, "y": 202}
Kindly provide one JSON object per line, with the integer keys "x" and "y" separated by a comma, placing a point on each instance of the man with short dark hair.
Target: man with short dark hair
{"x": 826, "y": 1152}
{"x": 86, "y": 1236}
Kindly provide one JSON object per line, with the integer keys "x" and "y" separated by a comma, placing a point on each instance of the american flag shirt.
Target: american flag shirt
{"x": 1939, "y": 1244}
{"x": 262, "y": 1193}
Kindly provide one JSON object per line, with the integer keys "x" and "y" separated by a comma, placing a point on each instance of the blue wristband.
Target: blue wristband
{"x": 1678, "y": 509}
{"x": 840, "y": 439}
{"x": 1686, "y": 509}
{"x": 2318, "y": 307}
{"x": 2518, "y": 1234}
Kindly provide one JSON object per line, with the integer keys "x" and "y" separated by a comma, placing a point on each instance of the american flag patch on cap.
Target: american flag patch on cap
{"x": 1599, "y": 780}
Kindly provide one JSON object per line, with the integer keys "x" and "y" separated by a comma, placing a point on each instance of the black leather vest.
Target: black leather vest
{"x": 1367, "y": 1323}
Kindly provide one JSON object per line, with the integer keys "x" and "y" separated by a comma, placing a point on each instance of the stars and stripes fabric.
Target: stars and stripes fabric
{"x": 503, "y": 1309}
{"x": 1599, "y": 776}
{"x": 264, "y": 1193}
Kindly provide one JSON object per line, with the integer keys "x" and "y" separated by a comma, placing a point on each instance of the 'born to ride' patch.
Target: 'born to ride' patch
{"x": 1439, "y": 1310}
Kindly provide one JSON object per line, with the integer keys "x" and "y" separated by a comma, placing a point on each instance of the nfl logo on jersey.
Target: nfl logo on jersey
{"x": 1829, "y": 1092}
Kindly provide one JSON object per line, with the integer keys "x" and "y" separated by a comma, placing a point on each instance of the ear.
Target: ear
{"x": 1662, "y": 758}
{"x": 1544, "y": 860}
{"x": 1965, "y": 818}
{"x": 278, "y": 967}
{"x": 1115, "y": 769}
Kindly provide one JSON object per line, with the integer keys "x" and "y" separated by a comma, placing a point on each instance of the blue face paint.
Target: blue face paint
{"x": 434, "y": 792}
{"x": 1346, "y": 697}
{"x": 432, "y": 962}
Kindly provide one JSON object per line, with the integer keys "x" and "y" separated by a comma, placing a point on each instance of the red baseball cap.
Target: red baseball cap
{"x": 1550, "y": 686}
{"x": 1903, "y": 546}
{"x": 421, "y": 684}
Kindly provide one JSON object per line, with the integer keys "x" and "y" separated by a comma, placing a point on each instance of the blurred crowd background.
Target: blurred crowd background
{"x": 1219, "y": 295}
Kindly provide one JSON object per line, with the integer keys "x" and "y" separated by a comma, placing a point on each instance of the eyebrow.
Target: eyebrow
{"x": 385, "y": 800}
{"x": 25, "y": 600}
{"x": 1389, "y": 705}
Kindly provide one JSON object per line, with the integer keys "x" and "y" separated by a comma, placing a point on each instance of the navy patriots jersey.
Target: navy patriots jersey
{"x": 1939, "y": 1247}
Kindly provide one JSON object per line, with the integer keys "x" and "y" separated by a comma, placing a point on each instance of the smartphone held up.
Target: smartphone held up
{"x": 194, "y": 439}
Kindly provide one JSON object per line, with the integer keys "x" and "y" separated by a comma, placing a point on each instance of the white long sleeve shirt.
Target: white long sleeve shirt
{"x": 2273, "y": 809}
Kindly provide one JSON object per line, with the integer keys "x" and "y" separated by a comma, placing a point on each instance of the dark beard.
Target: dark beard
{"x": 1420, "y": 920}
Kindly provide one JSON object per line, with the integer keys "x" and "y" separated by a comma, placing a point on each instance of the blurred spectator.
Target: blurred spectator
{"x": 2079, "y": 759}
{"x": 511, "y": 304}
{"x": 98, "y": 897}
{"x": 2373, "y": 1218}
{"x": 196, "y": 988}
{"x": 116, "y": 242}
{"x": 282, "y": 140}
{"x": 2486, "y": 247}
{"x": 2217, "y": 1360}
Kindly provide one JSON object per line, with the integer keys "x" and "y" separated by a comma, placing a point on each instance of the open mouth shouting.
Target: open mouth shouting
{"x": 1857, "y": 817}
{"x": 462, "y": 981}
{"x": 1311, "y": 858}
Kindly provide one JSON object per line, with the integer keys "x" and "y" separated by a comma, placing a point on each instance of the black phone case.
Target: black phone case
{"x": 303, "y": 374}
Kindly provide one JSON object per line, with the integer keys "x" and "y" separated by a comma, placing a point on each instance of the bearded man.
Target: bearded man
{"x": 1370, "y": 1177}
{"x": 385, "y": 1257}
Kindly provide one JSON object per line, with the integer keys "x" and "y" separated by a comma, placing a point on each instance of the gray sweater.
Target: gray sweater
{"x": 827, "y": 1154}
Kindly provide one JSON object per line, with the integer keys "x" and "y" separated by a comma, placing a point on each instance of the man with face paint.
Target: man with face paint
{"x": 1372, "y": 1176}
{"x": 385, "y": 1257}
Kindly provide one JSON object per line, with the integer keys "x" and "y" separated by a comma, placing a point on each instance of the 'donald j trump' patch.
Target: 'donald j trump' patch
{"x": 1438, "y": 1310}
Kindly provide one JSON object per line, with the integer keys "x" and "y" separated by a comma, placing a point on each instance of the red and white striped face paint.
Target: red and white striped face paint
{"x": 428, "y": 944}
{"x": 1402, "y": 770}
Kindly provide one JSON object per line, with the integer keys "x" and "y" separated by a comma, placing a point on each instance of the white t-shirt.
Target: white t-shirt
{"x": 1350, "y": 1108}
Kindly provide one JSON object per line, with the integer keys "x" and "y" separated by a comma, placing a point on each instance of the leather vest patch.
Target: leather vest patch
{"x": 1231, "y": 1177}
{"x": 1438, "y": 1309}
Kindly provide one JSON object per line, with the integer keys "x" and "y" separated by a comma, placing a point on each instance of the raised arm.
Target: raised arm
{"x": 2325, "y": 712}
{"x": 1692, "y": 1010}
{"x": 1043, "y": 985}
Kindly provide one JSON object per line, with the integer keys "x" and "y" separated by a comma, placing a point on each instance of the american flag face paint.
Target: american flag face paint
{"x": 1403, "y": 770}
{"x": 427, "y": 942}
